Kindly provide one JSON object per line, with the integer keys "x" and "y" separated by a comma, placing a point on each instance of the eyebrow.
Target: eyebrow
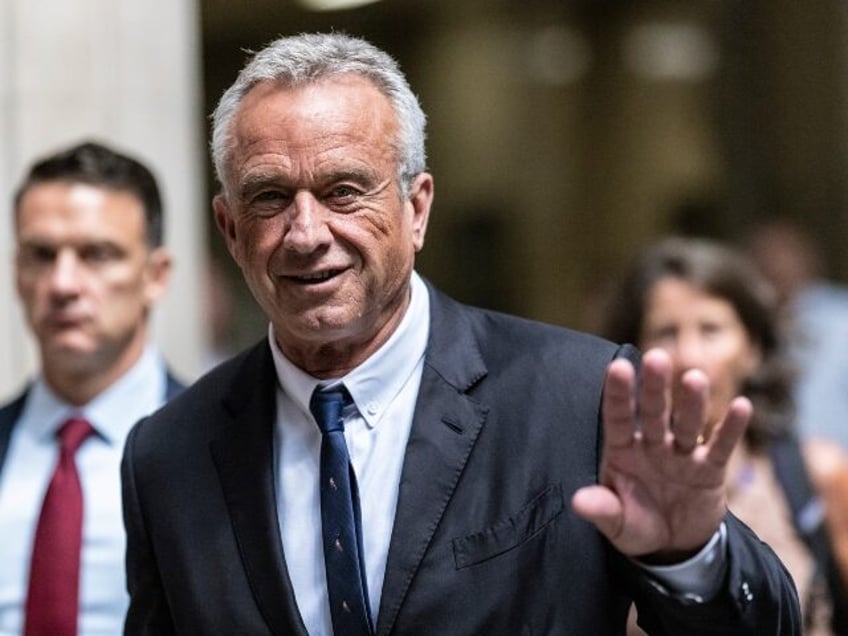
{"x": 256, "y": 181}
{"x": 259, "y": 180}
{"x": 86, "y": 242}
{"x": 352, "y": 174}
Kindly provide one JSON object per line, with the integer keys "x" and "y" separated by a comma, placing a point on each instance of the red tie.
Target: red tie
{"x": 53, "y": 600}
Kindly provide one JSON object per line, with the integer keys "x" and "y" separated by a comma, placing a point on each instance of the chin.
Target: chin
{"x": 70, "y": 351}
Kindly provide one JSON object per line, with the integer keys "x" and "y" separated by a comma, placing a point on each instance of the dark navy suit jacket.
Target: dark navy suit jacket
{"x": 506, "y": 428}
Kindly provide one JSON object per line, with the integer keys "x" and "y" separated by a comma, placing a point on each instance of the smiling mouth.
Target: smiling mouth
{"x": 317, "y": 277}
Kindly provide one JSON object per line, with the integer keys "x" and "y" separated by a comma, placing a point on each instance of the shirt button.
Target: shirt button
{"x": 372, "y": 408}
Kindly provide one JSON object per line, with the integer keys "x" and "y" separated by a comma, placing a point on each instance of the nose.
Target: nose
{"x": 306, "y": 228}
{"x": 65, "y": 274}
{"x": 688, "y": 352}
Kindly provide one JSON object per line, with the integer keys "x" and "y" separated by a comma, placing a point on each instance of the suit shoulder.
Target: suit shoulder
{"x": 9, "y": 411}
{"x": 201, "y": 403}
{"x": 510, "y": 333}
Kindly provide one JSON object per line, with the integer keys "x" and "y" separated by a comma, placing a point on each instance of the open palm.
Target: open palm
{"x": 661, "y": 493}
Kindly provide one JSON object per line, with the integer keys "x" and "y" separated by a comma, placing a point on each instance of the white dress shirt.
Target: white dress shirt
{"x": 384, "y": 389}
{"x": 31, "y": 459}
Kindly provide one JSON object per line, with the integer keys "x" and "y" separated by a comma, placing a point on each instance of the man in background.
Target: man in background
{"x": 90, "y": 266}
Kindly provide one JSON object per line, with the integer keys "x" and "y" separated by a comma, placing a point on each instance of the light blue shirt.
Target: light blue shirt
{"x": 384, "y": 389}
{"x": 31, "y": 458}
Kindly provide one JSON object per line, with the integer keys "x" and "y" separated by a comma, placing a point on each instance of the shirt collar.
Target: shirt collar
{"x": 137, "y": 393}
{"x": 374, "y": 384}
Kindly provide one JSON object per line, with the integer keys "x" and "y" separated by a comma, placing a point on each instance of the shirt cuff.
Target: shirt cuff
{"x": 697, "y": 579}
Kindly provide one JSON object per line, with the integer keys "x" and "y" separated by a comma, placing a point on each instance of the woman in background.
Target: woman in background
{"x": 710, "y": 309}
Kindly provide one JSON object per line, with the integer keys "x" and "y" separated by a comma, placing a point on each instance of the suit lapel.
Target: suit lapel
{"x": 8, "y": 416}
{"x": 173, "y": 387}
{"x": 445, "y": 428}
{"x": 243, "y": 456}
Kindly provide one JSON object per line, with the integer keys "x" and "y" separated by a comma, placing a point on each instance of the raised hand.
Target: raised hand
{"x": 661, "y": 493}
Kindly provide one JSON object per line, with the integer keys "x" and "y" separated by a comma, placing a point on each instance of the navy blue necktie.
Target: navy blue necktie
{"x": 340, "y": 519}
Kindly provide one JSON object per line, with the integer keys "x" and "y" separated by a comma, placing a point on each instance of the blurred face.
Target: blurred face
{"x": 315, "y": 218}
{"x": 85, "y": 275}
{"x": 700, "y": 331}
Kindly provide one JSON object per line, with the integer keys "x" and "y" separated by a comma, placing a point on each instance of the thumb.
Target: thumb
{"x": 600, "y": 506}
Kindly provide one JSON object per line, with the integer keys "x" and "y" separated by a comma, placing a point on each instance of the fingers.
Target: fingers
{"x": 619, "y": 407}
{"x": 656, "y": 404}
{"x": 654, "y": 408}
{"x": 728, "y": 433}
{"x": 655, "y": 396}
{"x": 690, "y": 411}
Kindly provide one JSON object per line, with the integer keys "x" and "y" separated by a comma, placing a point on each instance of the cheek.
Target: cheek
{"x": 726, "y": 383}
{"x": 25, "y": 288}
{"x": 128, "y": 285}
{"x": 257, "y": 240}
{"x": 741, "y": 372}
{"x": 399, "y": 247}
{"x": 726, "y": 378}
{"x": 741, "y": 363}
{"x": 33, "y": 294}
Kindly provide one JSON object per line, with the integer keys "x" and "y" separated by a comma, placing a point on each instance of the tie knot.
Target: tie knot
{"x": 327, "y": 406}
{"x": 73, "y": 433}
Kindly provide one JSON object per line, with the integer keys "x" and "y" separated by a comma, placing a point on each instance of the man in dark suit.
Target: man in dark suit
{"x": 389, "y": 461}
{"x": 89, "y": 265}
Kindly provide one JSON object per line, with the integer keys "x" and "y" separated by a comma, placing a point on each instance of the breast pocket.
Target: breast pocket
{"x": 508, "y": 533}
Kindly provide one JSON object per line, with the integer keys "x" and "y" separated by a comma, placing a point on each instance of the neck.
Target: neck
{"x": 78, "y": 382}
{"x": 337, "y": 357}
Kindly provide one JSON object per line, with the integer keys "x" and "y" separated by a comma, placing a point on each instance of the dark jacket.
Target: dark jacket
{"x": 506, "y": 428}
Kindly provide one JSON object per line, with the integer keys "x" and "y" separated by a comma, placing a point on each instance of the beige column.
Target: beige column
{"x": 125, "y": 72}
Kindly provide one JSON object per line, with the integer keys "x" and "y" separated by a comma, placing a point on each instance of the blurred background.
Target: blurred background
{"x": 563, "y": 135}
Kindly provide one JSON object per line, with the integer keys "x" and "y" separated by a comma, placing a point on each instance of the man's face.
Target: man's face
{"x": 315, "y": 217}
{"x": 85, "y": 274}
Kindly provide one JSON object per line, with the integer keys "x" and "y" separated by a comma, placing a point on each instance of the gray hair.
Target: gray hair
{"x": 307, "y": 58}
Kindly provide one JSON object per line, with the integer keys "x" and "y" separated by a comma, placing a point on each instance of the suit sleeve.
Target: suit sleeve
{"x": 148, "y": 613}
{"x": 758, "y": 596}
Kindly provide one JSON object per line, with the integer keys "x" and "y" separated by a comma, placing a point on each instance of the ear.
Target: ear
{"x": 420, "y": 198}
{"x": 225, "y": 223}
{"x": 159, "y": 265}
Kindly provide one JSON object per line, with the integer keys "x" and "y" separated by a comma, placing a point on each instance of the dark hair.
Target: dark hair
{"x": 719, "y": 271}
{"x": 97, "y": 165}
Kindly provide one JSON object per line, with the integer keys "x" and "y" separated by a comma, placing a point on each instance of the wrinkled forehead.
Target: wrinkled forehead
{"x": 321, "y": 117}
{"x": 324, "y": 100}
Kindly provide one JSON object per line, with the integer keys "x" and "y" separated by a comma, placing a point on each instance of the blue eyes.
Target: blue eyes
{"x": 343, "y": 192}
{"x": 271, "y": 196}
{"x": 336, "y": 197}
